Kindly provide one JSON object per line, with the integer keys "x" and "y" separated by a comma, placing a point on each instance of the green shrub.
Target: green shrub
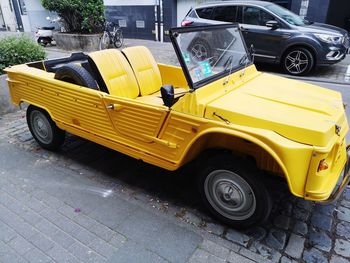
{"x": 78, "y": 16}
{"x": 18, "y": 50}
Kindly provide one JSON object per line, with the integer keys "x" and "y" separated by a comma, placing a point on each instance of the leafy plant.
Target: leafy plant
{"x": 78, "y": 16}
{"x": 19, "y": 50}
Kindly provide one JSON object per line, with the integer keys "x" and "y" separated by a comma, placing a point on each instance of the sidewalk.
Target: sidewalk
{"x": 87, "y": 203}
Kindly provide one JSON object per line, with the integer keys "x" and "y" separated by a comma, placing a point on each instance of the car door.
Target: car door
{"x": 135, "y": 120}
{"x": 267, "y": 42}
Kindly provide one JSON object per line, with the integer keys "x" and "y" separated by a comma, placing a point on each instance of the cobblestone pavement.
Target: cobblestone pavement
{"x": 88, "y": 203}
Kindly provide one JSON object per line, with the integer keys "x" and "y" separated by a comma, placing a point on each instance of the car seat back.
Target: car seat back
{"x": 145, "y": 68}
{"x": 113, "y": 73}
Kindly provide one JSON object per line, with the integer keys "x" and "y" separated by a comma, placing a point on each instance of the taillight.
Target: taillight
{"x": 186, "y": 23}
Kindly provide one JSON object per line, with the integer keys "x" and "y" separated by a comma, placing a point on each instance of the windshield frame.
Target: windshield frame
{"x": 173, "y": 33}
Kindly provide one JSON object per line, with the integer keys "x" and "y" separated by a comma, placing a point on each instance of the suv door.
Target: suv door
{"x": 267, "y": 42}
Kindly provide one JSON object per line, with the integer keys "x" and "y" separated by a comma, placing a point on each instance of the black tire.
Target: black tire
{"x": 43, "y": 41}
{"x": 302, "y": 65}
{"x": 240, "y": 185}
{"x": 76, "y": 75}
{"x": 200, "y": 49}
{"x": 118, "y": 39}
{"x": 43, "y": 129}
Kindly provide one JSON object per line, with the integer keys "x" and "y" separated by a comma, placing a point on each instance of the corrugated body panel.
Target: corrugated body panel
{"x": 135, "y": 121}
{"x": 74, "y": 106}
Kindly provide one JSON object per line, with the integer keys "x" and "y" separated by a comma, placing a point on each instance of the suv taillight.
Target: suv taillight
{"x": 186, "y": 23}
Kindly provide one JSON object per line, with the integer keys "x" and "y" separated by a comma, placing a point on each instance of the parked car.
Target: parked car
{"x": 219, "y": 113}
{"x": 278, "y": 35}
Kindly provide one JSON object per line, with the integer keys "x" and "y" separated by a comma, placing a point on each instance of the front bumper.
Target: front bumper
{"x": 337, "y": 192}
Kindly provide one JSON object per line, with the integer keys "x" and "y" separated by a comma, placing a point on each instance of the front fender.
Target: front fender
{"x": 293, "y": 158}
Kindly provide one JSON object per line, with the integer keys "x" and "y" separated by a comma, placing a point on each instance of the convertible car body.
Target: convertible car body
{"x": 221, "y": 112}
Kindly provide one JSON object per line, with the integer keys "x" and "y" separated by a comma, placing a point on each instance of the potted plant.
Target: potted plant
{"x": 82, "y": 21}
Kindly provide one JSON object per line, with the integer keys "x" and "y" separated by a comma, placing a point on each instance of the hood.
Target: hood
{"x": 296, "y": 110}
{"x": 322, "y": 28}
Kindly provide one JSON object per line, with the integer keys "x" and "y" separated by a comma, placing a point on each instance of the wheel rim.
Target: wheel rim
{"x": 230, "y": 195}
{"x": 199, "y": 51}
{"x": 297, "y": 62}
{"x": 41, "y": 127}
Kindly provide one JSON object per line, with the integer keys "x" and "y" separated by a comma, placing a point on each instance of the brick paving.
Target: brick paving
{"x": 89, "y": 209}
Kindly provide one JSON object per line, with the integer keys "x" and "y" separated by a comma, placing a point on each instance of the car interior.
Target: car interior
{"x": 132, "y": 73}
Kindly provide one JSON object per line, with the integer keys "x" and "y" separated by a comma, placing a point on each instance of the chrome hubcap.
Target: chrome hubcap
{"x": 199, "y": 51}
{"x": 296, "y": 62}
{"x": 41, "y": 127}
{"x": 230, "y": 195}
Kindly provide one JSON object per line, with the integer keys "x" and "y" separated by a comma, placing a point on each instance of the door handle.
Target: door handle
{"x": 116, "y": 107}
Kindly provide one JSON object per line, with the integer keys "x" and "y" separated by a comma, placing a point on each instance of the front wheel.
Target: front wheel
{"x": 43, "y": 129}
{"x": 298, "y": 61}
{"x": 233, "y": 192}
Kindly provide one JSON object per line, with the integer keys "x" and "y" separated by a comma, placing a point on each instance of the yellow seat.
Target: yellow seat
{"x": 145, "y": 68}
{"x": 116, "y": 73}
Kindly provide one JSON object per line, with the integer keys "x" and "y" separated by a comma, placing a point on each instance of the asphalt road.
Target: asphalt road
{"x": 344, "y": 90}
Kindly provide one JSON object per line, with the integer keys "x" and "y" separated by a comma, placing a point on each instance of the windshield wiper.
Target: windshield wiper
{"x": 243, "y": 61}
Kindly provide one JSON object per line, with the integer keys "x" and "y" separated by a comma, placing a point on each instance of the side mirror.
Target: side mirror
{"x": 272, "y": 24}
{"x": 168, "y": 96}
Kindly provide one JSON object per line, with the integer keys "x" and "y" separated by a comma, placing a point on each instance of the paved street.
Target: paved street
{"x": 87, "y": 203}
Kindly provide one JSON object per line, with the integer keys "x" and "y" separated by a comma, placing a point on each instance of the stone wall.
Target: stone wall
{"x": 6, "y": 105}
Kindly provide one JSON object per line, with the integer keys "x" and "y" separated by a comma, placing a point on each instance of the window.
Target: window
{"x": 225, "y": 13}
{"x": 205, "y": 12}
{"x": 193, "y": 14}
{"x": 255, "y": 16}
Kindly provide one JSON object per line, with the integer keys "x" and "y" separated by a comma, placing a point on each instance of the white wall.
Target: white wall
{"x": 129, "y": 2}
{"x": 37, "y": 14}
{"x": 8, "y": 15}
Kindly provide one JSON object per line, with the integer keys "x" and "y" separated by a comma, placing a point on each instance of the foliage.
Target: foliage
{"x": 78, "y": 16}
{"x": 18, "y": 50}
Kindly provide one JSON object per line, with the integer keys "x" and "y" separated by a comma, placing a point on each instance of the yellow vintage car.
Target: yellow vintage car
{"x": 233, "y": 123}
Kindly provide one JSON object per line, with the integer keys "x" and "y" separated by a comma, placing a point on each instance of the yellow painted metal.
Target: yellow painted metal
{"x": 287, "y": 126}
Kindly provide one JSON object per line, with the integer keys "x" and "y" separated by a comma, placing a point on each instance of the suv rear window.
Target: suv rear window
{"x": 205, "y": 12}
{"x": 225, "y": 13}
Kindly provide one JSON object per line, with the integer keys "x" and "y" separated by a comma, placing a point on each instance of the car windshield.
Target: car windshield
{"x": 211, "y": 52}
{"x": 287, "y": 15}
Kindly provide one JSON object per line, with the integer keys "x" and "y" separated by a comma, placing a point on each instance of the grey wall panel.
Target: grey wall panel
{"x": 131, "y": 14}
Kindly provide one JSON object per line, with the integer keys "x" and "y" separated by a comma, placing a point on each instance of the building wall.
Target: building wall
{"x": 8, "y": 15}
{"x": 137, "y": 18}
{"x": 37, "y": 14}
{"x": 339, "y": 14}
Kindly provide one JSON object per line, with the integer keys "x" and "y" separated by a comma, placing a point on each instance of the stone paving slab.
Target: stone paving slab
{"x": 63, "y": 207}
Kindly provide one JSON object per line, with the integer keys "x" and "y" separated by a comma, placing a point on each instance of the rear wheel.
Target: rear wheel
{"x": 43, "y": 129}
{"x": 118, "y": 39}
{"x": 233, "y": 191}
{"x": 298, "y": 61}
